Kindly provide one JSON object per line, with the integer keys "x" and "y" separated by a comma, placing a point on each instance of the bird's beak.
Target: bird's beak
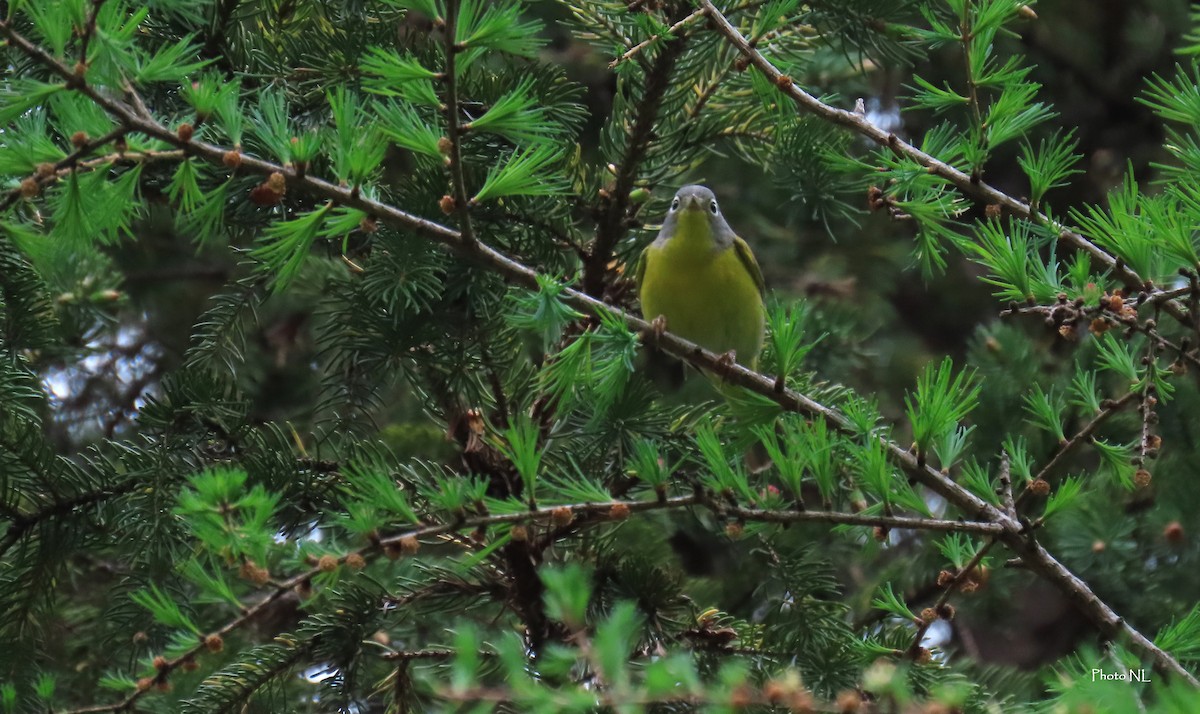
{"x": 691, "y": 203}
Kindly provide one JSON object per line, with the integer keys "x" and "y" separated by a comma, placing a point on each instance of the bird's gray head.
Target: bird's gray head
{"x": 694, "y": 207}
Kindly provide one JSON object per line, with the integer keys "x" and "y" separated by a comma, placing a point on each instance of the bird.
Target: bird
{"x": 700, "y": 281}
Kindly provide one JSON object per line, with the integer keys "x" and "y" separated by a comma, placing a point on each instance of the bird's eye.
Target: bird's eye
{"x": 712, "y": 206}
{"x": 675, "y": 205}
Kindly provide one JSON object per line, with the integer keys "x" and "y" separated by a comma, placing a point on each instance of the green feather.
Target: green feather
{"x": 745, "y": 255}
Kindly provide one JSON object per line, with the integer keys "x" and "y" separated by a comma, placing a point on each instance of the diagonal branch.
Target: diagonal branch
{"x": 613, "y": 219}
{"x": 89, "y": 31}
{"x": 20, "y": 525}
{"x": 1011, "y": 532}
{"x": 949, "y": 585}
{"x": 1081, "y": 436}
{"x": 964, "y": 182}
{"x": 453, "y": 129}
{"x": 48, "y": 173}
{"x": 1075, "y": 314}
{"x": 215, "y": 44}
{"x": 632, "y": 51}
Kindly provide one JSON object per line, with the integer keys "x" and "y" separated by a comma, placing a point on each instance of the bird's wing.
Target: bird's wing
{"x": 746, "y": 255}
{"x": 640, "y": 268}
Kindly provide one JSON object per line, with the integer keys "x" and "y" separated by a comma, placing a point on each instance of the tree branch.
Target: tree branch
{"x": 962, "y": 181}
{"x": 453, "y": 130}
{"x": 21, "y": 524}
{"x": 947, "y": 590}
{"x": 547, "y": 514}
{"x": 89, "y": 30}
{"x": 1074, "y": 315}
{"x": 1006, "y": 491}
{"x": 612, "y": 222}
{"x": 966, "y": 38}
{"x": 1080, "y": 436}
{"x": 45, "y": 176}
{"x": 407, "y": 655}
{"x": 654, "y": 38}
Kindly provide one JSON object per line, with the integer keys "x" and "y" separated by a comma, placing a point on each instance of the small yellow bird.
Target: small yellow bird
{"x": 702, "y": 280}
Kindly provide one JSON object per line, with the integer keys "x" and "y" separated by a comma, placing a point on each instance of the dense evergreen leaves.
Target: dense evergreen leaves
{"x": 320, "y": 385}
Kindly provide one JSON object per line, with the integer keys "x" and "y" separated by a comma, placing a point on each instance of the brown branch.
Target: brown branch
{"x": 578, "y": 510}
{"x": 855, "y": 519}
{"x": 612, "y": 224}
{"x": 21, "y": 524}
{"x": 1161, "y": 296}
{"x": 44, "y": 177}
{"x": 966, "y": 37}
{"x": 587, "y": 18}
{"x": 653, "y": 38}
{"x": 1080, "y": 436}
{"x": 949, "y": 587}
{"x": 408, "y": 655}
{"x": 1076, "y": 314}
{"x": 962, "y": 181}
{"x": 1011, "y": 505}
{"x": 710, "y": 89}
{"x": 527, "y": 594}
{"x": 407, "y": 538}
{"x": 632, "y": 700}
{"x": 1184, "y": 353}
{"x": 89, "y": 31}
{"x": 208, "y": 642}
{"x": 453, "y": 129}
{"x": 1147, "y": 449}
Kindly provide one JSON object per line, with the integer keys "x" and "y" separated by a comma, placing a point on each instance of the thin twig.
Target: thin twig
{"x": 208, "y": 641}
{"x": 408, "y": 655}
{"x": 612, "y": 224}
{"x": 21, "y": 524}
{"x": 966, "y": 38}
{"x": 453, "y": 129}
{"x": 654, "y": 38}
{"x": 950, "y": 586}
{"x": 609, "y": 508}
{"x": 621, "y": 700}
{"x": 1071, "y": 315}
{"x": 135, "y": 100}
{"x": 89, "y": 30}
{"x": 411, "y": 536}
{"x": 1080, "y": 437}
{"x": 1146, "y": 448}
{"x": 1160, "y": 296}
{"x": 65, "y": 164}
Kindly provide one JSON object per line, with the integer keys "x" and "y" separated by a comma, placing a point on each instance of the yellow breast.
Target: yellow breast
{"x": 705, "y": 293}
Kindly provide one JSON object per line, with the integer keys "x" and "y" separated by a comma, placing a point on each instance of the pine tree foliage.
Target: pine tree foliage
{"x": 412, "y": 457}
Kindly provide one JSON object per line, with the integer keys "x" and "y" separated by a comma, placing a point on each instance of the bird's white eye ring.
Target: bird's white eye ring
{"x": 713, "y": 207}
{"x": 675, "y": 204}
